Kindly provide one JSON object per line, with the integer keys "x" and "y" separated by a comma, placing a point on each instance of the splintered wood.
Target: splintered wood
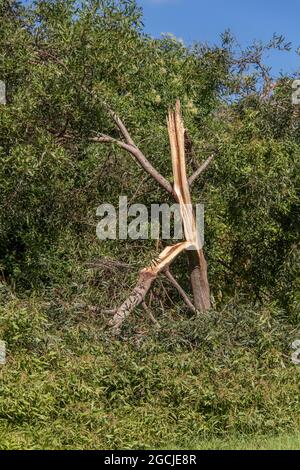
{"x": 181, "y": 193}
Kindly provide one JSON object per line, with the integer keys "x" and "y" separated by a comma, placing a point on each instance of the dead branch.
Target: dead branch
{"x": 181, "y": 291}
{"x": 200, "y": 170}
{"x": 140, "y": 157}
{"x": 146, "y": 278}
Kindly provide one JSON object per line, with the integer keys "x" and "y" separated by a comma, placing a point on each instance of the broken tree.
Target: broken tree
{"x": 180, "y": 192}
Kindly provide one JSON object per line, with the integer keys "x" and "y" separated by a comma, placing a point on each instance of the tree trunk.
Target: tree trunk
{"x": 199, "y": 280}
{"x": 197, "y": 262}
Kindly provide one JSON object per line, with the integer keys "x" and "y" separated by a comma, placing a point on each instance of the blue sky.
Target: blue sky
{"x": 204, "y": 20}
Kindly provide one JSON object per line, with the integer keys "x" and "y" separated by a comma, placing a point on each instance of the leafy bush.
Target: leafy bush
{"x": 70, "y": 386}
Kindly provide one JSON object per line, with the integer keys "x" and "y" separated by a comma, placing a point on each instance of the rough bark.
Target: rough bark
{"x": 136, "y": 297}
{"x": 199, "y": 280}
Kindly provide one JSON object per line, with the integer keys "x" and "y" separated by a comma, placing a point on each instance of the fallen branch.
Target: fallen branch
{"x": 145, "y": 280}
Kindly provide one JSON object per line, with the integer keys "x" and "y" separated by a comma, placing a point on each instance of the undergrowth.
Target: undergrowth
{"x": 68, "y": 384}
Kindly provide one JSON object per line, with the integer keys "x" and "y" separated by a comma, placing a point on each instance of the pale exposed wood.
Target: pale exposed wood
{"x": 181, "y": 186}
{"x": 197, "y": 262}
{"x": 146, "y": 278}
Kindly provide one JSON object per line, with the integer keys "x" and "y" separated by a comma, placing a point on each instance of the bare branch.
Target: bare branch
{"x": 140, "y": 157}
{"x": 180, "y": 290}
{"x": 121, "y": 127}
{"x": 200, "y": 170}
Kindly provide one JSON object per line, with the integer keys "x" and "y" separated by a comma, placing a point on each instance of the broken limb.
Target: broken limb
{"x": 145, "y": 280}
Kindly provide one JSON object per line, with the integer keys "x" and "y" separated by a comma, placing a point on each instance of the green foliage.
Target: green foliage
{"x": 67, "y": 385}
{"x": 259, "y": 442}
{"x": 256, "y": 189}
{"x": 61, "y": 63}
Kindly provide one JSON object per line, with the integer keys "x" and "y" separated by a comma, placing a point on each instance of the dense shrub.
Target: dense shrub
{"x": 72, "y": 387}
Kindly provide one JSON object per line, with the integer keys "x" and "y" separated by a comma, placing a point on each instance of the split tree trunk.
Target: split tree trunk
{"x": 197, "y": 262}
